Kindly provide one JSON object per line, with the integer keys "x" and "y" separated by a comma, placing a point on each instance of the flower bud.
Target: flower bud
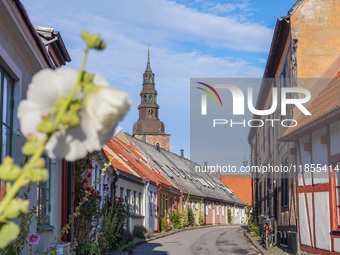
{"x": 9, "y": 171}
{"x": 15, "y": 208}
{"x": 87, "y": 77}
{"x": 47, "y": 126}
{"x": 93, "y": 40}
{"x": 70, "y": 119}
{"x": 38, "y": 174}
{"x": 29, "y": 148}
{"x": 40, "y": 163}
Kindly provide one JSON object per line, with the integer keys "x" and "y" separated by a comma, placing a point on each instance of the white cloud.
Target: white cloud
{"x": 172, "y": 28}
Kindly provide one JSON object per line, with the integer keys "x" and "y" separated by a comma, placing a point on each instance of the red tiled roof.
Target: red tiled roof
{"x": 240, "y": 184}
{"x": 325, "y": 103}
{"x": 117, "y": 162}
{"x": 134, "y": 161}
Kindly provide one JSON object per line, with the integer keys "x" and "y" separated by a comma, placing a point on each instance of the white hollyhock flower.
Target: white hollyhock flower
{"x": 97, "y": 119}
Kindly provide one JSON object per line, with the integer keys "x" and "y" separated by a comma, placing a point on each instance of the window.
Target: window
{"x": 284, "y": 186}
{"x": 134, "y": 203}
{"x": 139, "y": 203}
{"x": 44, "y": 195}
{"x": 222, "y": 210}
{"x": 6, "y": 116}
{"x": 264, "y": 139}
{"x": 122, "y": 192}
{"x": 151, "y": 203}
{"x": 127, "y": 200}
{"x": 155, "y": 203}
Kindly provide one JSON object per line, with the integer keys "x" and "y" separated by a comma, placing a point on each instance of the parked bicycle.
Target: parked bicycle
{"x": 267, "y": 232}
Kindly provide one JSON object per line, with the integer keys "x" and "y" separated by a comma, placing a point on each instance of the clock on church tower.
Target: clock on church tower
{"x": 148, "y": 127}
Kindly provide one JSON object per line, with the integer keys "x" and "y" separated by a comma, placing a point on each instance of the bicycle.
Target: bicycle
{"x": 267, "y": 232}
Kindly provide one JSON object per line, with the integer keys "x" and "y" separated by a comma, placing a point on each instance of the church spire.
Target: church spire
{"x": 148, "y": 127}
{"x": 148, "y": 67}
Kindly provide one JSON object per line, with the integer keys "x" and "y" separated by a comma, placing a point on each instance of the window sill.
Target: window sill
{"x": 137, "y": 216}
{"x": 43, "y": 228}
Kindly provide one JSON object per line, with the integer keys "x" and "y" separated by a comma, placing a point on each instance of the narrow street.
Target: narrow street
{"x": 216, "y": 241}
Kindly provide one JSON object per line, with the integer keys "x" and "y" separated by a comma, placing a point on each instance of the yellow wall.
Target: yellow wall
{"x": 316, "y": 24}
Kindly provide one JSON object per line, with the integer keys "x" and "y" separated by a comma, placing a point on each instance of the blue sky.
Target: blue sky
{"x": 190, "y": 39}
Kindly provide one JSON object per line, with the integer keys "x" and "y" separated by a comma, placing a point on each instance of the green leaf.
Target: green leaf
{"x": 8, "y": 232}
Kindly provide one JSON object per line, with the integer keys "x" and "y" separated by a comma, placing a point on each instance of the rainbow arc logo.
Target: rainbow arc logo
{"x": 204, "y": 97}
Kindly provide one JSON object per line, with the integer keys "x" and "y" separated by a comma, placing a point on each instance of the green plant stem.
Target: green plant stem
{"x": 78, "y": 85}
{"x": 21, "y": 181}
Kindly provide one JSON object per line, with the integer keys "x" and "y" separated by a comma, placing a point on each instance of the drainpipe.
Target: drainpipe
{"x": 158, "y": 207}
{"x": 146, "y": 204}
{"x": 113, "y": 183}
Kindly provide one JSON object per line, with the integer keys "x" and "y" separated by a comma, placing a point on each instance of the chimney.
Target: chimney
{"x": 218, "y": 174}
{"x": 182, "y": 153}
{"x": 158, "y": 147}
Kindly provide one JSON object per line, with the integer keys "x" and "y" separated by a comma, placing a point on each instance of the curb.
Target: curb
{"x": 164, "y": 234}
{"x": 272, "y": 251}
{"x": 254, "y": 243}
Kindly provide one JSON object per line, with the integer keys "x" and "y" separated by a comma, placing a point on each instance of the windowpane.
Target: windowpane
{"x": 140, "y": 203}
{"x": 44, "y": 195}
{"x": 6, "y": 139}
{"x": 337, "y": 173}
{"x": 7, "y": 96}
{"x": 338, "y": 214}
{"x": 338, "y": 195}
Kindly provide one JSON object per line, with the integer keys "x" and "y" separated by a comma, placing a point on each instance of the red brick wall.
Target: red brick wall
{"x": 218, "y": 215}
{"x": 163, "y": 140}
{"x": 209, "y": 217}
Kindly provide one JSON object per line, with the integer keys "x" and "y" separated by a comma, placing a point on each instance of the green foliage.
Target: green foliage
{"x": 91, "y": 211}
{"x": 229, "y": 215}
{"x": 111, "y": 234}
{"x": 248, "y": 210}
{"x": 17, "y": 246}
{"x": 201, "y": 220}
{"x": 140, "y": 231}
{"x": 253, "y": 225}
{"x": 113, "y": 224}
{"x": 165, "y": 225}
{"x": 191, "y": 217}
{"x": 177, "y": 219}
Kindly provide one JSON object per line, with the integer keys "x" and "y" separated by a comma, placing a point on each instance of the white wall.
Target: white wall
{"x": 319, "y": 152}
{"x": 322, "y": 220}
{"x": 132, "y": 186}
{"x": 20, "y": 58}
{"x": 335, "y": 137}
{"x": 150, "y": 208}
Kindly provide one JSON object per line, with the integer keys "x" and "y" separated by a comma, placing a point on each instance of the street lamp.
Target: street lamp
{"x": 245, "y": 161}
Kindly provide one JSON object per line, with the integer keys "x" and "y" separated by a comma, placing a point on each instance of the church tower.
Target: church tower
{"x": 148, "y": 127}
